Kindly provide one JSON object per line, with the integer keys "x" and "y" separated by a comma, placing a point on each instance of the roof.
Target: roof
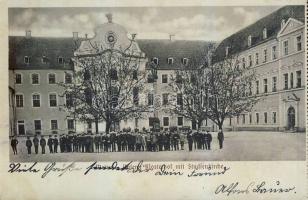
{"x": 239, "y": 41}
{"x": 176, "y": 49}
{"x": 52, "y": 48}
{"x": 37, "y": 47}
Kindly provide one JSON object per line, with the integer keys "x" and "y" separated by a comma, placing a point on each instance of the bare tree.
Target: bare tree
{"x": 106, "y": 85}
{"x": 229, "y": 85}
{"x": 189, "y": 89}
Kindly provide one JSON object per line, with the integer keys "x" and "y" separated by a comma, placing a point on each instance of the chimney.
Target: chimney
{"x": 283, "y": 22}
{"x": 75, "y": 35}
{"x": 28, "y": 33}
{"x": 227, "y": 51}
{"x": 109, "y": 17}
{"x": 171, "y": 37}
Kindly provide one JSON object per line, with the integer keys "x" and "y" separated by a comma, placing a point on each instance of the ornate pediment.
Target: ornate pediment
{"x": 290, "y": 25}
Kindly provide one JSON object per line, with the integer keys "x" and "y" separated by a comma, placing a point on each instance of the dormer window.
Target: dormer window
{"x": 155, "y": 60}
{"x": 249, "y": 40}
{"x": 44, "y": 60}
{"x": 227, "y": 51}
{"x": 26, "y": 59}
{"x": 170, "y": 61}
{"x": 185, "y": 61}
{"x": 283, "y": 22}
{"x": 60, "y": 60}
{"x": 264, "y": 33}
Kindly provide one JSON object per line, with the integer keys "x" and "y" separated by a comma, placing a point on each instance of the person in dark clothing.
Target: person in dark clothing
{"x": 50, "y": 144}
{"x": 55, "y": 144}
{"x": 36, "y": 144}
{"x": 14, "y": 143}
{"x": 220, "y": 137}
{"x": 209, "y": 140}
{"x": 43, "y": 144}
{"x": 190, "y": 140}
{"x": 29, "y": 145}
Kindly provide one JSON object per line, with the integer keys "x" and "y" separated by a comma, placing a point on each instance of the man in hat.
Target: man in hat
{"x": 14, "y": 143}
{"x": 50, "y": 144}
{"x": 29, "y": 145}
{"x": 220, "y": 137}
{"x": 43, "y": 144}
{"x": 209, "y": 140}
{"x": 55, "y": 144}
{"x": 190, "y": 140}
{"x": 36, "y": 144}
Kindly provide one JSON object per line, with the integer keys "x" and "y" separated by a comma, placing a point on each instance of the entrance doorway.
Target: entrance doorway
{"x": 21, "y": 127}
{"x": 291, "y": 118}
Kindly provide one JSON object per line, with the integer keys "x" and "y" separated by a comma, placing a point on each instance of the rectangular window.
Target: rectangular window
{"x": 180, "y": 121}
{"x": 179, "y": 99}
{"x": 27, "y": 60}
{"x": 150, "y": 78}
{"x": 68, "y": 78}
{"x": 68, "y": 100}
{"x": 250, "y": 118}
{"x": 265, "y": 85}
{"x": 166, "y": 121}
{"x": 52, "y": 100}
{"x": 274, "y": 117}
{"x": 164, "y": 78}
{"x": 244, "y": 62}
{"x": 257, "y": 118}
{"x": 250, "y": 60}
{"x": 298, "y": 79}
{"x": 44, "y": 60}
{"x": 250, "y": 89}
{"x": 257, "y": 87}
{"x": 274, "y": 52}
{"x": 37, "y": 125}
{"x": 70, "y": 124}
{"x": 243, "y": 119}
{"x": 36, "y": 100}
{"x": 136, "y": 96}
{"x": 257, "y": 58}
{"x": 60, "y": 60}
{"x": 274, "y": 84}
{"x": 51, "y": 78}
{"x": 165, "y": 99}
{"x": 291, "y": 80}
{"x": 150, "y": 99}
{"x": 265, "y": 117}
{"x": 21, "y": 127}
{"x": 265, "y": 55}
{"x": 286, "y": 47}
{"x": 170, "y": 61}
{"x": 135, "y": 75}
{"x": 18, "y": 79}
{"x": 299, "y": 43}
{"x": 19, "y": 100}
{"x": 35, "y": 78}
{"x": 286, "y": 81}
{"x": 54, "y": 124}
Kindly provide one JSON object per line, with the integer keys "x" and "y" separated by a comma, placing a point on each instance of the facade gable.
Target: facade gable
{"x": 291, "y": 25}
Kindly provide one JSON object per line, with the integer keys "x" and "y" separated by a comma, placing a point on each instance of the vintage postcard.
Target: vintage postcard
{"x": 153, "y": 99}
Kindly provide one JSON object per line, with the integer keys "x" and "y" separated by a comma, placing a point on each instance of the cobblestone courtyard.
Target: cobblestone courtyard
{"x": 238, "y": 146}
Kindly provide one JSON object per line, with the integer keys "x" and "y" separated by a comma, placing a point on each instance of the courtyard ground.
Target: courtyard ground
{"x": 238, "y": 146}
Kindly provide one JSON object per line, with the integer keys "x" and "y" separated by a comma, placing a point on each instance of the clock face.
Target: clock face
{"x": 111, "y": 37}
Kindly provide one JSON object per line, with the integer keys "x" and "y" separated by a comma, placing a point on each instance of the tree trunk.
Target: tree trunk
{"x": 220, "y": 124}
{"x": 96, "y": 126}
{"x": 107, "y": 127}
{"x": 199, "y": 124}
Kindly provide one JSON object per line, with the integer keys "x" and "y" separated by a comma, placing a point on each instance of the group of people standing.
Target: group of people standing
{"x": 121, "y": 142}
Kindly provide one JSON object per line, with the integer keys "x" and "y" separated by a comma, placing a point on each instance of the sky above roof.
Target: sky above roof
{"x": 186, "y": 23}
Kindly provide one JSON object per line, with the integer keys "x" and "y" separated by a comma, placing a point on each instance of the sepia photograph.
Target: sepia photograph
{"x": 189, "y": 83}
